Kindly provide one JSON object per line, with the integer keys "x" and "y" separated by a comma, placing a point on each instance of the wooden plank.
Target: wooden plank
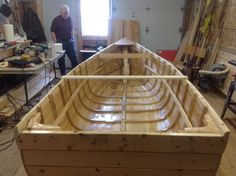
{"x": 186, "y": 143}
{"x": 124, "y": 42}
{"x": 182, "y": 46}
{"x": 124, "y": 102}
{"x": 126, "y": 71}
{"x": 193, "y": 101}
{"x": 75, "y": 171}
{"x": 190, "y": 50}
{"x": 132, "y": 30}
{"x": 116, "y": 32}
{"x": 122, "y": 55}
{"x": 68, "y": 104}
{"x": 200, "y": 52}
{"x": 107, "y": 77}
{"x": 197, "y": 17}
{"x": 181, "y": 110}
{"x": 121, "y": 159}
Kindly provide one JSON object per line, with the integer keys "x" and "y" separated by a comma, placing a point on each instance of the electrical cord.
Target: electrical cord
{"x": 45, "y": 81}
{"x": 17, "y": 111}
{"x": 8, "y": 143}
{"x": 16, "y": 98}
{"x": 10, "y": 123}
{"x": 14, "y": 105}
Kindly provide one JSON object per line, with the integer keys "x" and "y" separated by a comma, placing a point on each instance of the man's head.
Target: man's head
{"x": 64, "y": 11}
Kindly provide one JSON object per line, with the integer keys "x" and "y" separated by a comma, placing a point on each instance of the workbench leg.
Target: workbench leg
{"x": 228, "y": 98}
{"x": 54, "y": 70}
{"x": 26, "y": 92}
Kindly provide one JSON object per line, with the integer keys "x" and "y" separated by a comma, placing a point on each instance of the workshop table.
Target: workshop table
{"x": 31, "y": 71}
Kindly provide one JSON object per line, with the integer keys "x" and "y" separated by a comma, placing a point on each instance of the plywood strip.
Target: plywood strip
{"x": 122, "y": 159}
{"x": 122, "y": 55}
{"x": 193, "y": 101}
{"x": 126, "y": 71}
{"x": 185, "y": 94}
{"x": 127, "y": 141}
{"x": 55, "y": 114}
{"x": 105, "y": 77}
{"x": 82, "y": 171}
{"x": 124, "y": 102}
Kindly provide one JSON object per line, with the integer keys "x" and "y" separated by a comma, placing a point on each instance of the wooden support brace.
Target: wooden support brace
{"x": 108, "y": 77}
{"x": 123, "y": 56}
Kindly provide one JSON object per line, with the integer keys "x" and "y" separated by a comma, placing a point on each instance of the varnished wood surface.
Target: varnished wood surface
{"x": 135, "y": 113}
{"x": 14, "y": 167}
{"x": 80, "y": 109}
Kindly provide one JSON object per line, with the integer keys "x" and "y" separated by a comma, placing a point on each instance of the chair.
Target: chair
{"x": 228, "y": 102}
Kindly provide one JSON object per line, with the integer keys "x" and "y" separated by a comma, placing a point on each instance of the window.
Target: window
{"x": 94, "y": 17}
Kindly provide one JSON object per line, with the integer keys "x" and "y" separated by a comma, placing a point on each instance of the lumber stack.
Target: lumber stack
{"x": 204, "y": 30}
{"x": 119, "y": 29}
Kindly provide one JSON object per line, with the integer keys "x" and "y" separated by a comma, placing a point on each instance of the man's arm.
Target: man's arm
{"x": 53, "y": 29}
{"x": 53, "y": 35}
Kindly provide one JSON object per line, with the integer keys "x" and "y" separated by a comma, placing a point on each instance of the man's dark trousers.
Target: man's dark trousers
{"x": 69, "y": 48}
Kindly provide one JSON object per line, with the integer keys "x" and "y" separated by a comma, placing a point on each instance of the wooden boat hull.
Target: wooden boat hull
{"x": 125, "y": 111}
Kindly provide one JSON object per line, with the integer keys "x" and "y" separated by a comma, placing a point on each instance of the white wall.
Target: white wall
{"x": 163, "y": 20}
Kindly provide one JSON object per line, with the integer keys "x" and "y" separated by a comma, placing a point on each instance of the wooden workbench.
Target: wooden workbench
{"x": 42, "y": 76}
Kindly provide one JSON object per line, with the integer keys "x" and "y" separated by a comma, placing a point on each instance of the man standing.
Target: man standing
{"x": 62, "y": 32}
